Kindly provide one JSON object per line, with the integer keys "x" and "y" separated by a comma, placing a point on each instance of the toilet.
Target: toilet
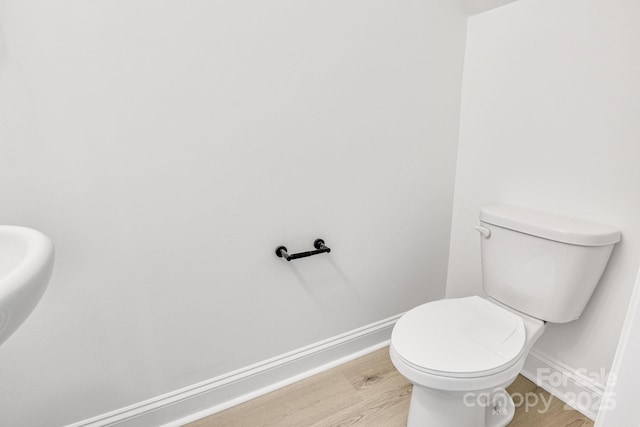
{"x": 460, "y": 354}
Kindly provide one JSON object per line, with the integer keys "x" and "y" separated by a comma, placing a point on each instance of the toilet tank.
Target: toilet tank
{"x": 544, "y": 265}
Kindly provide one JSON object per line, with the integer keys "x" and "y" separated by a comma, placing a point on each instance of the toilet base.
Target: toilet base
{"x": 501, "y": 411}
{"x": 440, "y": 408}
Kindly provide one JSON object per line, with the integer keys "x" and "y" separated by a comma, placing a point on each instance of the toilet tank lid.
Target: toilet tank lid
{"x": 550, "y": 226}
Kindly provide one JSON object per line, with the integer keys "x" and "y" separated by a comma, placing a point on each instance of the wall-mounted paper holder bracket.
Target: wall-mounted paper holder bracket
{"x": 281, "y": 251}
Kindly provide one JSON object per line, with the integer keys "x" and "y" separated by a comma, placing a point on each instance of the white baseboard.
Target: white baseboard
{"x": 216, "y": 394}
{"x": 573, "y": 387}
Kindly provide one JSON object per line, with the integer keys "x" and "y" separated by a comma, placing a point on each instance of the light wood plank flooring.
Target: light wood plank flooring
{"x": 368, "y": 392}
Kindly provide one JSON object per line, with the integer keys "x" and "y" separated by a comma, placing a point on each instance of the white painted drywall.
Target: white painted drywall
{"x": 473, "y": 7}
{"x": 549, "y": 120}
{"x": 620, "y": 405}
{"x": 168, "y": 147}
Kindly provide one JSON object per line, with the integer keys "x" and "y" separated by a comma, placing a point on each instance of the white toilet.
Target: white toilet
{"x": 461, "y": 353}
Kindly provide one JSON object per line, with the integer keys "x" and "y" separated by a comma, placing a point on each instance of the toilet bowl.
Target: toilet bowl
{"x": 461, "y": 354}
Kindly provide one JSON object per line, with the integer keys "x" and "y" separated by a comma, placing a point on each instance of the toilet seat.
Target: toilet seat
{"x": 459, "y": 338}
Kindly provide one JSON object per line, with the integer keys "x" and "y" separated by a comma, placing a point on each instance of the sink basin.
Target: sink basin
{"x": 26, "y": 262}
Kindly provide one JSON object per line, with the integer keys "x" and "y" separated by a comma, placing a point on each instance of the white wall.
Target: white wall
{"x": 620, "y": 405}
{"x": 168, "y": 147}
{"x": 474, "y": 7}
{"x": 549, "y": 120}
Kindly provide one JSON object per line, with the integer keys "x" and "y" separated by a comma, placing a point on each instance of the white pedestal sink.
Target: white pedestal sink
{"x": 26, "y": 262}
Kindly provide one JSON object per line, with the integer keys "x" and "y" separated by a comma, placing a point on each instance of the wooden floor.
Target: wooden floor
{"x": 369, "y": 392}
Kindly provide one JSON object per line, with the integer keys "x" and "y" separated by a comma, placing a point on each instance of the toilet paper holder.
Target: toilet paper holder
{"x": 281, "y": 251}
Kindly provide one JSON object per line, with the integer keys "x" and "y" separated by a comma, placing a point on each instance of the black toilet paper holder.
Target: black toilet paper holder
{"x": 281, "y": 251}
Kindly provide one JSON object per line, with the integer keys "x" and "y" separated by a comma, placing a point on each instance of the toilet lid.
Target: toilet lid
{"x": 462, "y": 337}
